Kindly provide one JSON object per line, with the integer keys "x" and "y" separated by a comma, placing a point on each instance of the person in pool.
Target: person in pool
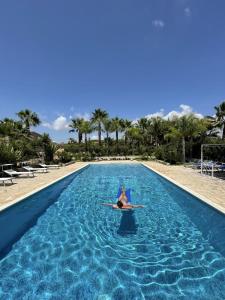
{"x": 120, "y": 205}
{"x": 123, "y": 197}
{"x": 122, "y": 202}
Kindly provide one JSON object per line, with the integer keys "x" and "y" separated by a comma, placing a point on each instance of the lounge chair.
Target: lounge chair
{"x": 5, "y": 179}
{"x": 49, "y": 166}
{"x": 222, "y": 168}
{"x": 31, "y": 169}
{"x": 15, "y": 173}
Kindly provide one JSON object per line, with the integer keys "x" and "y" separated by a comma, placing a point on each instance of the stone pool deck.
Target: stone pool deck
{"x": 11, "y": 194}
{"x": 211, "y": 190}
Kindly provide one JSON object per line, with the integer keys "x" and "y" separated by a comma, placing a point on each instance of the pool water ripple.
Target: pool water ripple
{"x": 79, "y": 249}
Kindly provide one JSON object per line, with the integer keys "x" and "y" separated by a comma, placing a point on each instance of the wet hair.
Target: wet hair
{"x": 120, "y": 204}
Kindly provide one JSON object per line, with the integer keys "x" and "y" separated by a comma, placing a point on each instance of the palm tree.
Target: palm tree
{"x": 108, "y": 128}
{"x": 76, "y": 125}
{"x": 157, "y": 129}
{"x": 183, "y": 132}
{"x": 143, "y": 125}
{"x": 220, "y": 117}
{"x": 98, "y": 117}
{"x": 134, "y": 135}
{"x": 86, "y": 128}
{"x": 116, "y": 125}
{"x": 197, "y": 128}
{"x": 126, "y": 125}
{"x": 185, "y": 128}
{"x": 28, "y": 119}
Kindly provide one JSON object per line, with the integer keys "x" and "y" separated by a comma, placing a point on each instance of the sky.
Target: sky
{"x": 62, "y": 59}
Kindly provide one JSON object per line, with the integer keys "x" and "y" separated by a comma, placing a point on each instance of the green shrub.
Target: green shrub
{"x": 87, "y": 157}
{"x": 8, "y": 154}
{"x": 65, "y": 156}
{"x": 159, "y": 153}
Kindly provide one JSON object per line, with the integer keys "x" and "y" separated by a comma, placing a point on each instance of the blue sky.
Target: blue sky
{"x": 131, "y": 58}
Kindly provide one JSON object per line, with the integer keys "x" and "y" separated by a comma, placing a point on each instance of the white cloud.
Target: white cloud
{"x": 86, "y": 116}
{"x": 158, "y": 23}
{"x": 60, "y": 123}
{"x": 157, "y": 114}
{"x": 134, "y": 122}
{"x": 185, "y": 110}
{"x": 187, "y": 12}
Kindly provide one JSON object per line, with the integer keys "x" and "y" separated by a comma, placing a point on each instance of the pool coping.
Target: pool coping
{"x": 21, "y": 198}
{"x": 188, "y": 190}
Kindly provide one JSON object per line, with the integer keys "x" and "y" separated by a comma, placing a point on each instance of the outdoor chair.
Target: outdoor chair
{"x": 6, "y": 179}
{"x": 15, "y": 173}
{"x": 31, "y": 169}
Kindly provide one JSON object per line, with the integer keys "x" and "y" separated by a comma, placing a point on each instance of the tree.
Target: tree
{"x": 28, "y": 119}
{"x": 126, "y": 125}
{"x": 77, "y": 126}
{"x": 86, "y": 128}
{"x": 157, "y": 129}
{"x": 11, "y": 129}
{"x": 98, "y": 118}
{"x": 197, "y": 128}
{"x": 108, "y": 128}
{"x": 49, "y": 147}
{"x": 184, "y": 129}
{"x": 116, "y": 126}
{"x": 220, "y": 117}
{"x": 143, "y": 125}
{"x": 134, "y": 135}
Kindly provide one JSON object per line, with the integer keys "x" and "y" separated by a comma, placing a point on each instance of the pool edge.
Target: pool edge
{"x": 19, "y": 199}
{"x": 188, "y": 190}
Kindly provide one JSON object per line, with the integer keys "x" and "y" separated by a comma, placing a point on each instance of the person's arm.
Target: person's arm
{"x": 132, "y": 206}
{"x": 107, "y": 204}
{"x": 114, "y": 206}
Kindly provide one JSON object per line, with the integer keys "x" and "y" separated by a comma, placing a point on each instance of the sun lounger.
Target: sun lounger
{"x": 31, "y": 169}
{"x": 49, "y": 166}
{"x": 5, "y": 179}
{"x": 222, "y": 168}
{"x": 15, "y": 173}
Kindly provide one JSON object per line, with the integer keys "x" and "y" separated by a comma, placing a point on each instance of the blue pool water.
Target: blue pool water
{"x": 63, "y": 244}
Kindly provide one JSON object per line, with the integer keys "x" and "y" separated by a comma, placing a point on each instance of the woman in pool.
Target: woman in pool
{"x": 122, "y": 202}
{"x": 123, "y": 197}
{"x": 120, "y": 205}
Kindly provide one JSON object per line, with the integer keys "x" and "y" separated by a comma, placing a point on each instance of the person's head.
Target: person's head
{"x": 120, "y": 204}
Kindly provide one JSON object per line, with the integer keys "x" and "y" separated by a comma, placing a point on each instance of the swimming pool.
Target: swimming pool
{"x": 75, "y": 248}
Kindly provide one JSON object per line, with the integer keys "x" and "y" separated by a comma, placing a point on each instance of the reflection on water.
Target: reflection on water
{"x": 127, "y": 223}
{"x": 164, "y": 251}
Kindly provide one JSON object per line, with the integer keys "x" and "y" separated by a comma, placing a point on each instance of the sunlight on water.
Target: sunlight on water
{"x": 79, "y": 249}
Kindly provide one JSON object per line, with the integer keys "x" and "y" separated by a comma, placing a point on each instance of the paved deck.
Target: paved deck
{"x": 211, "y": 189}
{"x": 11, "y": 194}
